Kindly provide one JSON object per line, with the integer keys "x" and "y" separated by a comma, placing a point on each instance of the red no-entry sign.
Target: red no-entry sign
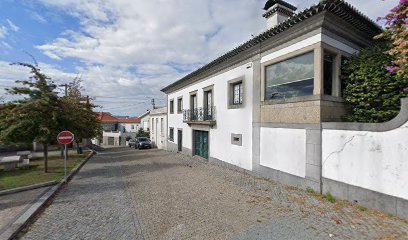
{"x": 65, "y": 137}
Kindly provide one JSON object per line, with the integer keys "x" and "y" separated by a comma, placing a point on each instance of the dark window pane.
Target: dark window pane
{"x": 328, "y": 66}
{"x": 290, "y": 78}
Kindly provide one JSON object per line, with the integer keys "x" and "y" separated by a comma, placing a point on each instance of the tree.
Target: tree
{"x": 371, "y": 91}
{"x": 397, "y": 33}
{"x": 142, "y": 133}
{"x": 77, "y": 115}
{"x": 34, "y": 118}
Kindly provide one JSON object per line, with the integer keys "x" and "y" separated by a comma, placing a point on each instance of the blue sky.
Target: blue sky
{"x": 127, "y": 50}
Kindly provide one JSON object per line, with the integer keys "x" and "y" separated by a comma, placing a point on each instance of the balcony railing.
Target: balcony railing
{"x": 200, "y": 115}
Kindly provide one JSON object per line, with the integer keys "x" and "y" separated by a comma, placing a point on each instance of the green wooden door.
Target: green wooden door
{"x": 201, "y": 144}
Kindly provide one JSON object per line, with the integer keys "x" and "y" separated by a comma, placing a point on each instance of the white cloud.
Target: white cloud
{"x": 13, "y": 26}
{"x": 134, "y": 48}
{"x": 3, "y": 32}
{"x": 37, "y": 17}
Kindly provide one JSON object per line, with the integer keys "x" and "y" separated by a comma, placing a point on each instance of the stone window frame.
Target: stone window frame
{"x": 234, "y": 140}
{"x": 316, "y": 83}
{"x": 205, "y": 90}
{"x": 318, "y": 89}
{"x": 231, "y": 84}
{"x": 191, "y": 94}
{"x": 171, "y": 106}
{"x": 180, "y": 105}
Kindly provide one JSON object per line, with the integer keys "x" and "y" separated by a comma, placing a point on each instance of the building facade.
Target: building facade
{"x": 116, "y": 130}
{"x": 158, "y": 127}
{"x": 261, "y": 106}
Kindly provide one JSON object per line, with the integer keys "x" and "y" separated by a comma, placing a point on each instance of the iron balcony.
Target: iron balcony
{"x": 205, "y": 116}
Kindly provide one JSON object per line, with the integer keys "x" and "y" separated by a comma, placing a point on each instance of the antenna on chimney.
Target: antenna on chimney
{"x": 153, "y": 104}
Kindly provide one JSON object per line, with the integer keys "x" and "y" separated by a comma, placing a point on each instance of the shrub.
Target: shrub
{"x": 372, "y": 93}
{"x": 330, "y": 197}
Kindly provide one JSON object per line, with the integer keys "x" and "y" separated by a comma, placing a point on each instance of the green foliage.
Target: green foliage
{"x": 76, "y": 114}
{"x": 373, "y": 93}
{"x": 309, "y": 190}
{"x": 41, "y": 114}
{"x": 361, "y": 208}
{"x": 142, "y": 133}
{"x": 330, "y": 197}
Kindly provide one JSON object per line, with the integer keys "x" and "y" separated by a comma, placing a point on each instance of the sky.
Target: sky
{"x": 125, "y": 51}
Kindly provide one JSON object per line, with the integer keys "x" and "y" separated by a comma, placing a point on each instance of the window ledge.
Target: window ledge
{"x": 235, "y": 106}
{"x": 304, "y": 99}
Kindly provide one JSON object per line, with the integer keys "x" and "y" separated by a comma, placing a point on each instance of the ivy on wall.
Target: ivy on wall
{"x": 372, "y": 93}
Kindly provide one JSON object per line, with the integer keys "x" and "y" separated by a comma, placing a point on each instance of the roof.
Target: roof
{"x": 270, "y": 3}
{"x": 106, "y": 117}
{"x": 144, "y": 114}
{"x": 159, "y": 111}
{"x": 339, "y": 8}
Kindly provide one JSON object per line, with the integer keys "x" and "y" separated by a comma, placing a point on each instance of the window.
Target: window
{"x": 328, "y": 73}
{"x": 193, "y": 101}
{"x": 162, "y": 127}
{"x": 179, "y": 105}
{"x": 237, "y": 93}
{"x": 208, "y": 105}
{"x": 152, "y": 125}
{"x": 133, "y": 127}
{"x": 171, "y": 106}
{"x": 290, "y": 78}
{"x": 171, "y": 134}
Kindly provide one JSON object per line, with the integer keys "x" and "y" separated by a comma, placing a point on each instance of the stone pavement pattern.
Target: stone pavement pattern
{"x": 131, "y": 194}
{"x": 12, "y": 206}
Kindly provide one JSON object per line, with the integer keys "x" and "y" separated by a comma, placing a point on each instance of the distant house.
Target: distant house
{"x": 116, "y": 130}
{"x": 145, "y": 121}
{"x": 158, "y": 127}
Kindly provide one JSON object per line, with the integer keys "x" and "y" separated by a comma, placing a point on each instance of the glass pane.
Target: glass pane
{"x": 291, "y": 77}
{"x": 240, "y": 93}
{"x": 237, "y": 93}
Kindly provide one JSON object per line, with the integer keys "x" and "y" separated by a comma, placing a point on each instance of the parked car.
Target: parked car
{"x": 143, "y": 143}
{"x": 132, "y": 142}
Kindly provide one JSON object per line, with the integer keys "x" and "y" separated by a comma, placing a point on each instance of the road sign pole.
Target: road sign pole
{"x": 65, "y": 163}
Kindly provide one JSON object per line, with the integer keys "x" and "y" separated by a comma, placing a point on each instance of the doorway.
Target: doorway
{"x": 201, "y": 144}
{"x": 180, "y": 140}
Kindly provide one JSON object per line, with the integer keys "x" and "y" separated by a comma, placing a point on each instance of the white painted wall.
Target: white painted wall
{"x": 284, "y": 149}
{"x": 157, "y": 136}
{"x": 128, "y": 127}
{"x": 229, "y": 121}
{"x": 373, "y": 160}
{"x": 308, "y": 42}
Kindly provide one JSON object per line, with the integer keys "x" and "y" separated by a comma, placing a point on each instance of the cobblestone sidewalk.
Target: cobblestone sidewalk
{"x": 94, "y": 205}
{"x": 131, "y": 194}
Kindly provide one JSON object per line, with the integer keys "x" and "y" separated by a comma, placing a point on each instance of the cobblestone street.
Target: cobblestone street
{"x": 129, "y": 194}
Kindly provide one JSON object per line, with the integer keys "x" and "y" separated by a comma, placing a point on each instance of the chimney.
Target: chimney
{"x": 277, "y": 11}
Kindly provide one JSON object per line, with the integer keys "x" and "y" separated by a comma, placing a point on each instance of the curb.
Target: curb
{"x": 25, "y": 219}
{"x": 27, "y": 188}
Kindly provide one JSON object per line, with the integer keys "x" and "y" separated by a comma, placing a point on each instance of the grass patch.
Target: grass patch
{"x": 309, "y": 190}
{"x": 361, "y": 208}
{"x": 330, "y": 197}
{"x": 35, "y": 173}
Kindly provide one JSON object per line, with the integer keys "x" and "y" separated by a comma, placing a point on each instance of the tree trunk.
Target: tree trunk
{"x": 62, "y": 151}
{"x": 45, "y": 158}
{"x": 77, "y": 147}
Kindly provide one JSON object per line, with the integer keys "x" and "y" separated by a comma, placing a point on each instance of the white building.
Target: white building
{"x": 158, "y": 127}
{"x": 261, "y": 106}
{"x": 116, "y": 130}
{"x": 145, "y": 121}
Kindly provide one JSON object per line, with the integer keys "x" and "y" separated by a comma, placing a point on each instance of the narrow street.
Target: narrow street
{"x": 151, "y": 194}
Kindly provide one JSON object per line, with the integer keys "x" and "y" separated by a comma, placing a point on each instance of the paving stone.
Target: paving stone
{"x": 153, "y": 194}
